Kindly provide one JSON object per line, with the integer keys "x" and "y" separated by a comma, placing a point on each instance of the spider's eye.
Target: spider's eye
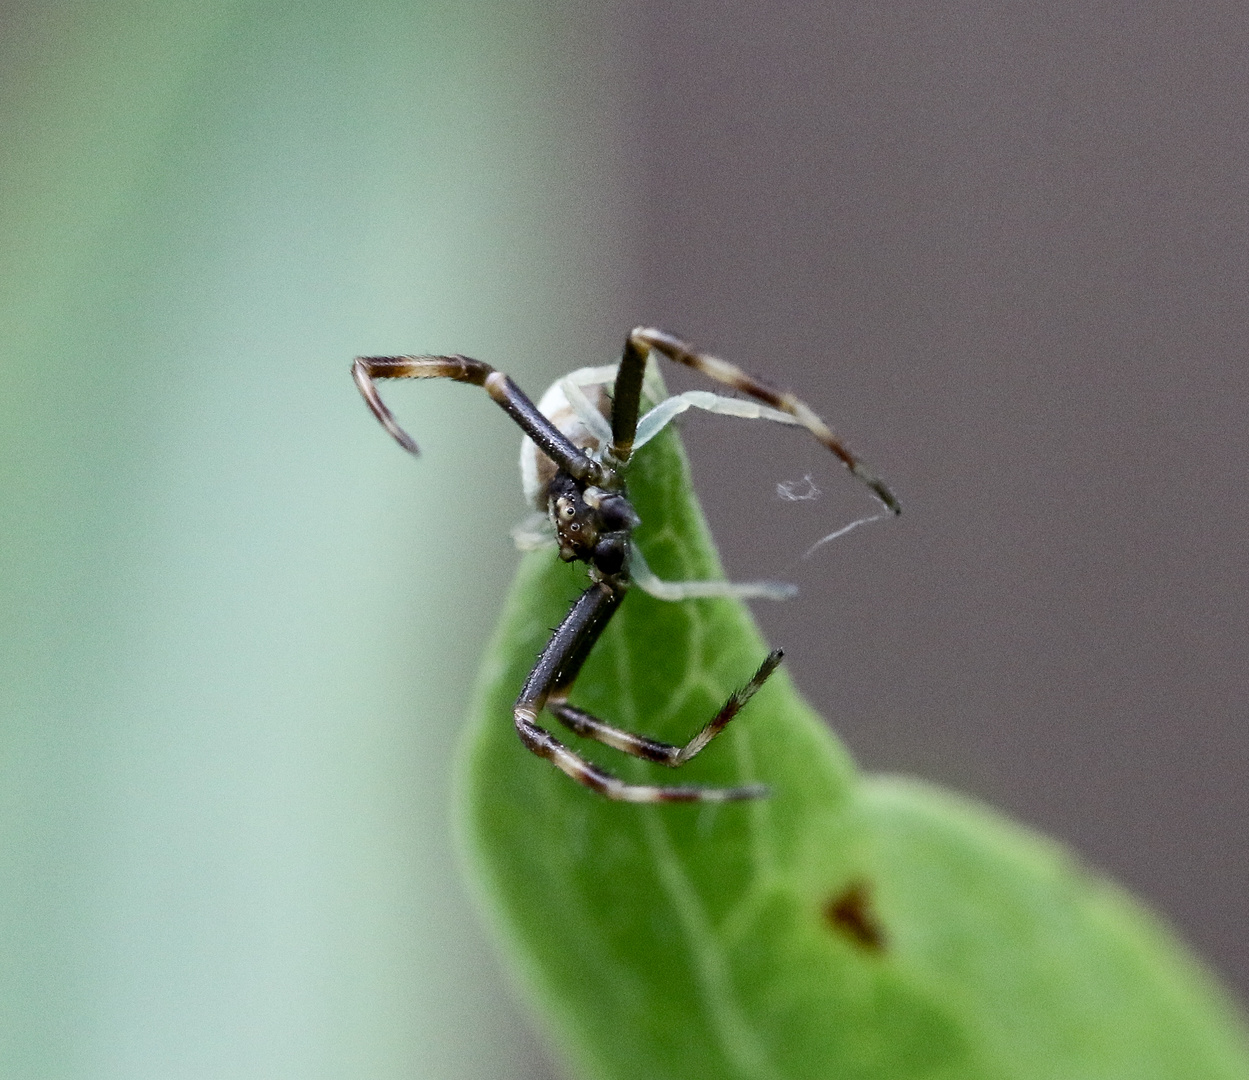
{"x": 574, "y": 527}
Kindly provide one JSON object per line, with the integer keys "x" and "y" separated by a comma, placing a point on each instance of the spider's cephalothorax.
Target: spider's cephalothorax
{"x": 591, "y": 523}
{"x": 573, "y": 467}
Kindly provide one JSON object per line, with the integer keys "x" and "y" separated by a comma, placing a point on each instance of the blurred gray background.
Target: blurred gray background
{"x": 1002, "y": 248}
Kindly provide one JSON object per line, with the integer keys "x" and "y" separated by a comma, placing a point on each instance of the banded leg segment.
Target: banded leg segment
{"x": 552, "y": 678}
{"x": 642, "y": 746}
{"x": 644, "y": 339}
{"x": 464, "y": 369}
{"x": 545, "y": 745}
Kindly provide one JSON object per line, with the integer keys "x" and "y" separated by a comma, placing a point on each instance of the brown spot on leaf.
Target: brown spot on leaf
{"x": 851, "y": 914}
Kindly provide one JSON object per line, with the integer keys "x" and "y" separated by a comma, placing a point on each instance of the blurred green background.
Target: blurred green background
{"x": 239, "y": 626}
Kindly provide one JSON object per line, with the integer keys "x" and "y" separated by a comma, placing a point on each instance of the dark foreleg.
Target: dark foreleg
{"x": 644, "y": 339}
{"x": 551, "y": 679}
{"x": 464, "y": 369}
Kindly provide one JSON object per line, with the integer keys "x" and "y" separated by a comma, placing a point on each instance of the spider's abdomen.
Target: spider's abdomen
{"x": 536, "y": 469}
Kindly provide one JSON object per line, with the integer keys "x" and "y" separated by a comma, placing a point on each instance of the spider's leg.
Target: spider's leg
{"x": 641, "y": 575}
{"x": 627, "y": 401}
{"x": 643, "y": 339}
{"x": 506, "y": 394}
{"x": 667, "y": 410}
{"x": 552, "y": 677}
{"x": 642, "y": 746}
{"x": 594, "y": 421}
{"x": 534, "y": 533}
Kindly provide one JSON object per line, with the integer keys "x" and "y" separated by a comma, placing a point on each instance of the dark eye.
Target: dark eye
{"x": 574, "y": 528}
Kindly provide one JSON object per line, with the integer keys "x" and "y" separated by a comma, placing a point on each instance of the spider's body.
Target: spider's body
{"x": 592, "y": 524}
{"x": 573, "y": 465}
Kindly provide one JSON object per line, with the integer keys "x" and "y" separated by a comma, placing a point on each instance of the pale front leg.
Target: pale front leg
{"x": 644, "y": 578}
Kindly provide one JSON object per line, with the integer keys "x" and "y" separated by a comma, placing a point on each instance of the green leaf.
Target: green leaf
{"x": 848, "y": 926}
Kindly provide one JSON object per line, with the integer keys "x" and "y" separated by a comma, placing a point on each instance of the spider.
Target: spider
{"x": 574, "y": 464}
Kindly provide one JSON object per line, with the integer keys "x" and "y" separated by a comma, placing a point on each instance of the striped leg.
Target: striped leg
{"x": 552, "y": 678}
{"x": 649, "y": 749}
{"x": 505, "y": 393}
{"x": 545, "y": 745}
{"x": 628, "y": 389}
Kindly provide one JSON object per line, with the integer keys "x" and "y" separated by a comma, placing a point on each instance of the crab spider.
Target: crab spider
{"x": 573, "y": 464}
